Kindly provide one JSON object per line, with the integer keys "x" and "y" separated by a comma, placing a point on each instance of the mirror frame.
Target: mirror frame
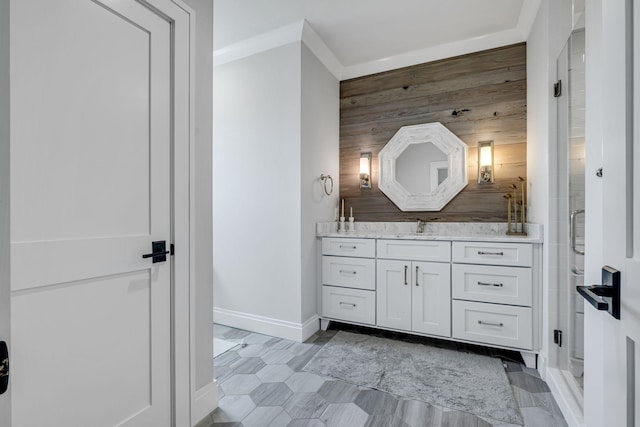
{"x": 443, "y": 139}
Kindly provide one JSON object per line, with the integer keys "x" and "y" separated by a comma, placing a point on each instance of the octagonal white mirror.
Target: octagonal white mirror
{"x": 423, "y": 167}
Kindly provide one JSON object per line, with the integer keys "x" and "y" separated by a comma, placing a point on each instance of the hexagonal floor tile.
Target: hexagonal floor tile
{"x": 338, "y": 391}
{"x": 247, "y": 365}
{"x": 274, "y": 356}
{"x": 376, "y": 402}
{"x": 251, "y": 350}
{"x": 233, "y": 408}
{"x": 387, "y": 421}
{"x": 313, "y": 422}
{"x": 240, "y": 384}
{"x": 271, "y": 394}
{"x": 226, "y": 359}
{"x": 257, "y": 339}
{"x": 415, "y": 412}
{"x": 344, "y": 414}
{"x": 274, "y": 373}
{"x": 271, "y": 416}
{"x": 305, "y": 382}
{"x": 305, "y": 405}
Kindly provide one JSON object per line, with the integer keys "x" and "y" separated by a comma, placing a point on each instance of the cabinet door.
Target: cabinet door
{"x": 394, "y": 294}
{"x": 431, "y": 298}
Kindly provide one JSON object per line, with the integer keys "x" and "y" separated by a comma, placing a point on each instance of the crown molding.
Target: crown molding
{"x": 313, "y": 41}
{"x": 443, "y": 51}
{"x": 260, "y": 43}
{"x": 527, "y": 17}
{"x": 302, "y": 31}
{"x": 298, "y": 31}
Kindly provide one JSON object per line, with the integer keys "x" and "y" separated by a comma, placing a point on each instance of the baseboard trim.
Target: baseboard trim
{"x": 205, "y": 402}
{"x": 565, "y": 398}
{"x": 266, "y": 325}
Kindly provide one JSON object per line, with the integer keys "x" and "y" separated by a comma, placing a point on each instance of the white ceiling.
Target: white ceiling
{"x": 361, "y": 32}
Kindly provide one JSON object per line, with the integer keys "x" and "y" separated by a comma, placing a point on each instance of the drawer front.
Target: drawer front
{"x": 353, "y": 305}
{"x": 488, "y": 283}
{"x": 337, "y": 246}
{"x": 414, "y": 250}
{"x": 493, "y": 324}
{"x": 357, "y": 273}
{"x": 518, "y": 254}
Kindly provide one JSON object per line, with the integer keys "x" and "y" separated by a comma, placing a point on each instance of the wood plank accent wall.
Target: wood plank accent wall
{"x": 490, "y": 84}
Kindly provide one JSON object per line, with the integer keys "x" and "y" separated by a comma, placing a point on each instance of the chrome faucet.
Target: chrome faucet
{"x": 420, "y": 226}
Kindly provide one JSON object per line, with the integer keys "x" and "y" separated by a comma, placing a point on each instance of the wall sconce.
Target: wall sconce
{"x": 365, "y": 171}
{"x": 485, "y": 162}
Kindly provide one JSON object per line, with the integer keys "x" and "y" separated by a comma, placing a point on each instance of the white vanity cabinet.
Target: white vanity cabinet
{"x": 349, "y": 280}
{"x": 492, "y": 288}
{"x": 480, "y": 291}
{"x": 414, "y": 296}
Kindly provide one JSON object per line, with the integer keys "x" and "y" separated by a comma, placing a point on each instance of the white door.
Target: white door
{"x": 619, "y": 340}
{"x": 90, "y": 191}
{"x": 431, "y": 298}
{"x": 5, "y": 398}
{"x": 393, "y": 296}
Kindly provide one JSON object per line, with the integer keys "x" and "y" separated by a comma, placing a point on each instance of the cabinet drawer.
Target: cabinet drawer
{"x": 493, "y": 324}
{"x": 352, "y": 305}
{"x": 519, "y": 254}
{"x": 365, "y": 248}
{"x": 488, "y": 283}
{"x": 415, "y": 250}
{"x": 358, "y": 273}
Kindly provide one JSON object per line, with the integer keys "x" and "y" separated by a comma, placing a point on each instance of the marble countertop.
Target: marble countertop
{"x": 459, "y": 231}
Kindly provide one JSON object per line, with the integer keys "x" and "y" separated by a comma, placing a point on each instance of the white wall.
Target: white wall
{"x": 257, "y": 190}
{"x": 203, "y": 193}
{"x": 276, "y": 118}
{"x": 320, "y": 153}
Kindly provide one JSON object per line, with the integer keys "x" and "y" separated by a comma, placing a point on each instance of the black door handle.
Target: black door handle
{"x": 159, "y": 253}
{"x": 4, "y": 367}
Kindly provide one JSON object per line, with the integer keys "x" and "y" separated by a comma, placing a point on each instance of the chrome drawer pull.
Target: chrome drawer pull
{"x": 491, "y": 253}
{"x": 347, "y": 303}
{"x": 417, "y": 276}
{"x": 480, "y": 322}
{"x": 498, "y": 285}
{"x": 347, "y": 272}
{"x": 348, "y": 247}
{"x": 405, "y": 274}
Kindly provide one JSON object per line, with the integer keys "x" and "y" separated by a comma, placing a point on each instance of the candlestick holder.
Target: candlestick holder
{"x": 342, "y": 226}
{"x": 351, "y": 227}
{"x": 517, "y": 217}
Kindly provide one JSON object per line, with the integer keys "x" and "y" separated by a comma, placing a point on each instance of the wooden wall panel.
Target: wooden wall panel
{"x": 490, "y": 84}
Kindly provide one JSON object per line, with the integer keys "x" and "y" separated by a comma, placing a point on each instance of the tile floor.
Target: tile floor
{"x": 262, "y": 384}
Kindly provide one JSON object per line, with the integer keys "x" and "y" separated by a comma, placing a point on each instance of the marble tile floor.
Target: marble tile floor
{"x": 261, "y": 384}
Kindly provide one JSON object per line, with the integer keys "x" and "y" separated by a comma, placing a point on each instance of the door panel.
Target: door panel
{"x": 620, "y": 339}
{"x": 431, "y": 299}
{"x": 394, "y": 294}
{"x": 91, "y": 190}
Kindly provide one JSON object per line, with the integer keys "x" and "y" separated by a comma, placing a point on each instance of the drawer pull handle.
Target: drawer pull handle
{"x": 417, "y": 276}
{"x": 497, "y": 285}
{"x": 480, "y": 322}
{"x": 405, "y": 274}
{"x": 348, "y": 303}
{"x": 491, "y": 253}
{"x": 348, "y": 272}
{"x": 348, "y": 247}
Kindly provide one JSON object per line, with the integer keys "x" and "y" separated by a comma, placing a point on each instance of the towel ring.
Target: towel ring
{"x": 324, "y": 178}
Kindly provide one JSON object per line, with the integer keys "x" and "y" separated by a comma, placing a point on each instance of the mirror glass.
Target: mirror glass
{"x": 423, "y": 167}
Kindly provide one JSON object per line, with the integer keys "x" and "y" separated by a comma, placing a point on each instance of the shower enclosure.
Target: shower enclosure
{"x": 570, "y": 93}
